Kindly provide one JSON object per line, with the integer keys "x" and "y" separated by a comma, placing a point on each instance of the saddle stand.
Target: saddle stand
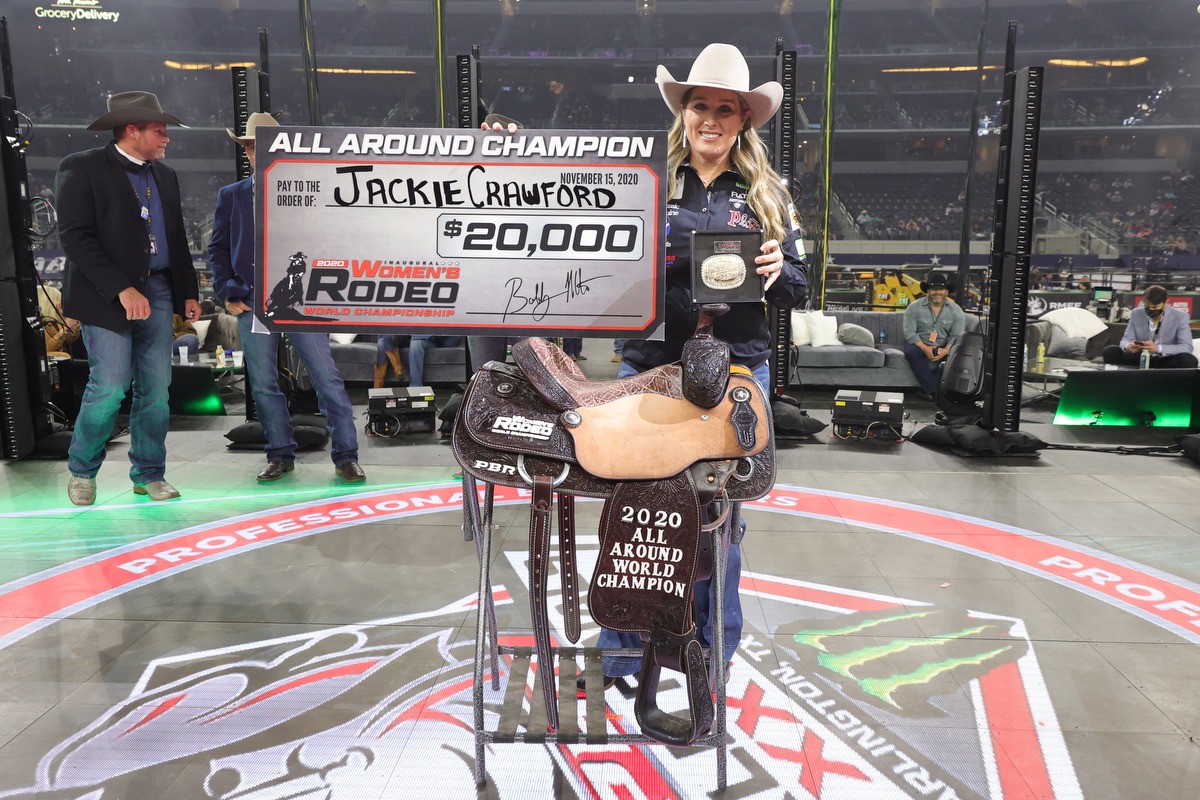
{"x": 672, "y": 452}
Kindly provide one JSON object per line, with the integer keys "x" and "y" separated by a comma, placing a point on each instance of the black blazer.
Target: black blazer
{"x": 105, "y": 238}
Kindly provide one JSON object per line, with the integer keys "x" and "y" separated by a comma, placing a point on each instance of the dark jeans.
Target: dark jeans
{"x": 262, "y": 363}
{"x": 139, "y": 358}
{"x": 925, "y": 370}
{"x": 416, "y": 354}
{"x": 1115, "y": 354}
{"x": 487, "y": 348}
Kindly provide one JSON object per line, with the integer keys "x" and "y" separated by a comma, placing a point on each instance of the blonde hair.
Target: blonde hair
{"x": 749, "y": 157}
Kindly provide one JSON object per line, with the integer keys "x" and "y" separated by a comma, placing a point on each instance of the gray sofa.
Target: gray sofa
{"x": 1059, "y": 345}
{"x": 356, "y": 361}
{"x": 855, "y": 366}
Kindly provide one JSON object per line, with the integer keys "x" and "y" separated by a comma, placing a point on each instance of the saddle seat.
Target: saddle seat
{"x": 554, "y": 376}
{"x": 643, "y": 427}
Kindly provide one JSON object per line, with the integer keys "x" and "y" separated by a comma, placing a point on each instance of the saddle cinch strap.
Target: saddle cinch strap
{"x": 652, "y": 551}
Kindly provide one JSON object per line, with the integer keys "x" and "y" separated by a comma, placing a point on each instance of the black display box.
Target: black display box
{"x": 723, "y": 267}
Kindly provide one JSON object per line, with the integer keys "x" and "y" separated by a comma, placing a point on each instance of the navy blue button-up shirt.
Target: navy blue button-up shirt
{"x": 719, "y": 207}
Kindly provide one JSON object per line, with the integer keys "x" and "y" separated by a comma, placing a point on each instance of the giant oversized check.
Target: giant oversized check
{"x": 434, "y": 231}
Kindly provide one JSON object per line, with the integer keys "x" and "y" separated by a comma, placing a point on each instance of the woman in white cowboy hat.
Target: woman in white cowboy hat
{"x": 719, "y": 178}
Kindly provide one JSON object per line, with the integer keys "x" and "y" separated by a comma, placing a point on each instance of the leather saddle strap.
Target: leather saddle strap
{"x": 539, "y": 568}
{"x": 736, "y": 531}
{"x": 649, "y": 548}
{"x": 567, "y": 568}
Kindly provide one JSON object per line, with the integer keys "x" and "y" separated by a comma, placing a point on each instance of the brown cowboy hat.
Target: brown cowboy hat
{"x": 255, "y": 121}
{"x": 133, "y": 108}
{"x": 722, "y": 66}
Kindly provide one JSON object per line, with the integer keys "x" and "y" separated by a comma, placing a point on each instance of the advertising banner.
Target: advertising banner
{"x": 1039, "y": 302}
{"x": 436, "y": 231}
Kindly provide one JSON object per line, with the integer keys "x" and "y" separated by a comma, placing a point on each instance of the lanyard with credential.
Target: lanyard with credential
{"x": 933, "y": 336}
{"x": 144, "y": 174}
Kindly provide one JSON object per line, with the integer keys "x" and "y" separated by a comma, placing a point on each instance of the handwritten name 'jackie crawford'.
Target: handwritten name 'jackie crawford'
{"x": 477, "y": 191}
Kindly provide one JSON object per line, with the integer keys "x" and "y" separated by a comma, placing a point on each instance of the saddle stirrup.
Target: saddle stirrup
{"x": 685, "y": 655}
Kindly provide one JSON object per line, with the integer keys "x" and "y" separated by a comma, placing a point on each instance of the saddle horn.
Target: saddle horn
{"x": 705, "y": 360}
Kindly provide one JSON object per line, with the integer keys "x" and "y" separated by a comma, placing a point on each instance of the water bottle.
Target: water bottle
{"x": 883, "y": 336}
{"x": 1145, "y": 360}
{"x": 1041, "y": 352}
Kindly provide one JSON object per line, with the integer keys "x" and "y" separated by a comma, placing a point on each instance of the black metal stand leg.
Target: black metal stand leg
{"x": 484, "y": 546}
{"x": 475, "y": 526}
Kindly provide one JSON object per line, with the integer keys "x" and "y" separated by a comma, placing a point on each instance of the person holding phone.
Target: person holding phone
{"x": 1154, "y": 327}
{"x": 932, "y": 325}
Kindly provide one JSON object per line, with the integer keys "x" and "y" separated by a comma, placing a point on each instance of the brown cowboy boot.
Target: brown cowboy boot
{"x": 397, "y": 364}
{"x": 380, "y": 374}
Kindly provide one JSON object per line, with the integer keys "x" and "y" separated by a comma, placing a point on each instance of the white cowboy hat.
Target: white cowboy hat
{"x": 721, "y": 66}
{"x": 256, "y": 120}
{"x": 501, "y": 120}
{"x": 133, "y": 108}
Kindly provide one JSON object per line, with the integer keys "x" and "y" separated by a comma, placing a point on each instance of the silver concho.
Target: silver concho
{"x": 740, "y": 394}
{"x": 571, "y": 418}
{"x": 725, "y": 271}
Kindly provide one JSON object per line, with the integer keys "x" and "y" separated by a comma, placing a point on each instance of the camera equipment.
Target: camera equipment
{"x": 868, "y": 415}
{"x": 396, "y": 411}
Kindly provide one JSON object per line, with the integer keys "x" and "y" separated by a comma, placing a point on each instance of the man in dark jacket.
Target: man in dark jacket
{"x": 128, "y": 271}
{"x": 231, "y": 258}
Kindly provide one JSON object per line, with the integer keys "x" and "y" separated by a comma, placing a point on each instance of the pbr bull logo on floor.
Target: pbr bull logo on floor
{"x": 854, "y": 695}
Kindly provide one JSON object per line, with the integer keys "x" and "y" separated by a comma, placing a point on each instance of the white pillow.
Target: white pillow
{"x": 342, "y": 338}
{"x": 800, "y": 334}
{"x": 202, "y": 330}
{"x": 1076, "y": 322}
{"x": 201, "y": 326}
{"x": 822, "y": 329}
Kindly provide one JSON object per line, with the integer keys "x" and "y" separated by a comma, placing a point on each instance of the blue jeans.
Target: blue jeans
{"x": 262, "y": 364}
{"x": 383, "y": 344}
{"x": 487, "y": 348}
{"x": 573, "y": 347}
{"x": 139, "y": 358}
{"x": 189, "y": 340}
{"x": 702, "y": 593}
{"x": 925, "y": 370}
{"x": 416, "y": 354}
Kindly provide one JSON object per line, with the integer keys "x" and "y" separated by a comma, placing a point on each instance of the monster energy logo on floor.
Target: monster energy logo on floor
{"x": 856, "y": 663}
{"x": 907, "y": 671}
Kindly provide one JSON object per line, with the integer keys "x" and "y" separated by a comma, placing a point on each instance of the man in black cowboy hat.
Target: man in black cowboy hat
{"x": 128, "y": 270}
{"x": 932, "y": 325}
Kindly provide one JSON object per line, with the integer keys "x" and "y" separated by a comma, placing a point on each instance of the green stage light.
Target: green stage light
{"x": 1157, "y": 398}
{"x": 205, "y": 405}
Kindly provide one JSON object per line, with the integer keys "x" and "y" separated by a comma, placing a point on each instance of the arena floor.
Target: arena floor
{"x": 918, "y": 625}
